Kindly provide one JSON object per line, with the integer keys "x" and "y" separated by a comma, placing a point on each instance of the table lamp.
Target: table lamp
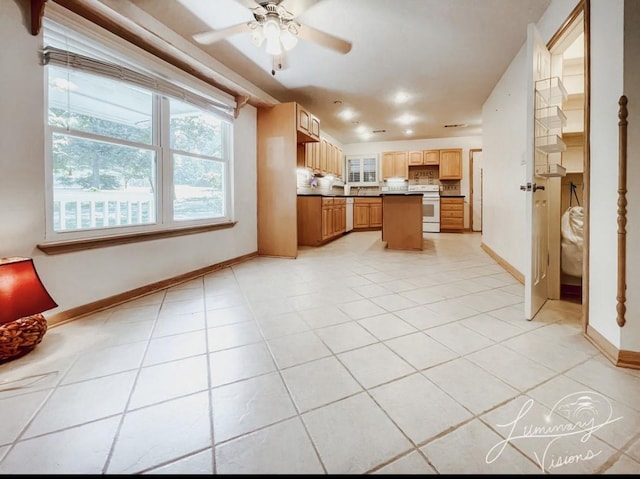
{"x": 22, "y": 298}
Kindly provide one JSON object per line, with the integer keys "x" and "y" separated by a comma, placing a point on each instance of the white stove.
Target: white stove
{"x": 429, "y": 190}
{"x": 430, "y": 206}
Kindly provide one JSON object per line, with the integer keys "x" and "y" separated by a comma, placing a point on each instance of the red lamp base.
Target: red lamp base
{"x": 21, "y": 336}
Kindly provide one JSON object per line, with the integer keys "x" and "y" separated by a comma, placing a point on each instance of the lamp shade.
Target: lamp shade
{"x": 21, "y": 291}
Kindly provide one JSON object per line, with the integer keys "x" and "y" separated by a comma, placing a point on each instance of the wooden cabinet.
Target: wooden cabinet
{"x": 451, "y": 214}
{"x": 431, "y": 157}
{"x": 312, "y": 156}
{"x": 327, "y": 218}
{"x": 307, "y": 125}
{"x": 367, "y": 213}
{"x": 375, "y": 214}
{"x": 339, "y": 216}
{"x": 451, "y": 164}
{"x": 426, "y": 157}
{"x": 323, "y": 154}
{"x": 322, "y": 157}
{"x": 278, "y": 153}
{"x": 415, "y": 158}
{"x": 395, "y": 164}
{"x": 320, "y": 219}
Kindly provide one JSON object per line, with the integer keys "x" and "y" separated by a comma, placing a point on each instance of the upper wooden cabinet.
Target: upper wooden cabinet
{"x": 415, "y": 157}
{"x": 312, "y": 156}
{"x": 426, "y": 157}
{"x": 395, "y": 164}
{"x": 324, "y": 158}
{"x": 307, "y": 125}
{"x": 451, "y": 164}
{"x": 431, "y": 157}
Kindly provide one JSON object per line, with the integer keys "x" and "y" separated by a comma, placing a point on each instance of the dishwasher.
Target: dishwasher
{"x": 349, "y": 214}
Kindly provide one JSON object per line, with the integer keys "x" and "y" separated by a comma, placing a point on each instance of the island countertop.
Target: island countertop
{"x": 402, "y": 221}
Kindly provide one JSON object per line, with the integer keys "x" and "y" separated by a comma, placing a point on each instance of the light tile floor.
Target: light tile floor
{"x": 350, "y": 359}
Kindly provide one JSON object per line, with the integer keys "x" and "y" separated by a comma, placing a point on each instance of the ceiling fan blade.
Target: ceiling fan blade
{"x": 324, "y": 39}
{"x": 207, "y": 38}
{"x": 298, "y": 7}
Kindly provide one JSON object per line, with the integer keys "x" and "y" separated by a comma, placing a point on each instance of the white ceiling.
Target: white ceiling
{"x": 447, "y": 55}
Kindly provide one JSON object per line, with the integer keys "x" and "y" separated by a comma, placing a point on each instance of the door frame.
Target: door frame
{"x": 583, "y": 7}
{"x": 471, "y": 192}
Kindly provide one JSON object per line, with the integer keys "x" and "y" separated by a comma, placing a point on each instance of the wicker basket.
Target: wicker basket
{"x": 19, "y": 337}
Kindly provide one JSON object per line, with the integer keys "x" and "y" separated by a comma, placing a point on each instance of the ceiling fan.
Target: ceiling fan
{"x": 276, "y": 27}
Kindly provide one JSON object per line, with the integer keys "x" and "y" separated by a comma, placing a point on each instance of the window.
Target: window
{"x": 127, "y": 156}
{"x": 362, "y": 170}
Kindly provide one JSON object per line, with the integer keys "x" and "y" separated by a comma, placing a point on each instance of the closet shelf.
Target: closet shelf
{"x": 551, "y": 170}
{"x": 552, "y": 91}
{"x": 550, "y": 144}
{"x": 551, "y": 117}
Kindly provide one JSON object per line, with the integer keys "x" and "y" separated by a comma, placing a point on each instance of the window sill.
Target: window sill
{"x": 58, "y": 247}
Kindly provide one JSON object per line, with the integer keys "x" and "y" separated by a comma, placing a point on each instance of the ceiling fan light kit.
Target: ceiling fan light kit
{"x": 274, "y": 25}
{"x": 275, "y": 28}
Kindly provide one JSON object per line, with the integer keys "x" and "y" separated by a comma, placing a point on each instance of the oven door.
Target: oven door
{"x": 430, "y": 214}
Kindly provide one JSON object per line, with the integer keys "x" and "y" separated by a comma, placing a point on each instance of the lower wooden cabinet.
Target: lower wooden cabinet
{"x": 451, "y": 214}
{"x": 367, "y": 213}
{"x": 320, "y": 219}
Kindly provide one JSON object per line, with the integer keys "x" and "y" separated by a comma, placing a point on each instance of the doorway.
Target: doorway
{"x": 569, "y": 194}
{"x": 475, "y": 189}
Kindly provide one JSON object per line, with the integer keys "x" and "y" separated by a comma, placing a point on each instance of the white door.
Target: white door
{"x": 536, "y": 234}
{"x": 476, "y": 221}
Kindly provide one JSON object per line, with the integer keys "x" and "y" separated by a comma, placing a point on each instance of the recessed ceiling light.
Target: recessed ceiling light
{"x": 408, "y": 132}
{"x": 347, "y": 114}
{"x": 406, "y": 119}
{"x": 401, "y": 97}
{"x": 337, "y": 102}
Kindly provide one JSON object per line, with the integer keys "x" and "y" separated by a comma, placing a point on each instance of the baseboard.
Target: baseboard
{"x": 94, "y": 307}
{"x": 619, "y": 357}
{"x": 629, "y": 359}
{"x": 510, "y": 269}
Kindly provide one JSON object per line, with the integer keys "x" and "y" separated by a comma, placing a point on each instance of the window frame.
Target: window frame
{"x": 360, "y": 159}
{"x": 164, "y": 224}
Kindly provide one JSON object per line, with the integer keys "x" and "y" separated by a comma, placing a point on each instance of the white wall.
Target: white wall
{"x": 606, "y": 88}
{"x": 76, "y": 279}
{"x": 630, "y": 339}
{"x": 504, "y": 128}
{"x": 504, "y": 145}
{"x": 465, "y": 143}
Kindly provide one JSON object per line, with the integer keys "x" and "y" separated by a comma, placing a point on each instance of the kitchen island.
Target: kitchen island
{"x": 402, "y": 221}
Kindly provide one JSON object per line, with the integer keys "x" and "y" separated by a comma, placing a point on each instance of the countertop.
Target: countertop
{"x": 452, "y": 196}
{"x": 378, "y": 195}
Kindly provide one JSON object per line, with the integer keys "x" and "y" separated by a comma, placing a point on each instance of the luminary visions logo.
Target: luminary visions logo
{"x": 561, "y": 437}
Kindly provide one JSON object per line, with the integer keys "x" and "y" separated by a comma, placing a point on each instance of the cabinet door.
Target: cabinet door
{"x": 314, "y": 126}
{"x": 375, "y": 215}
{"x": 388, "y": 164}
{"x": 304, "y": 119}
{"x": 431, "y": 157}
{"x": 331, "y": 164}
{"x": 309, "y": 155}
{"x": 307, "y": 125}
{"x": 327, "y": 218}
{"x": 361, "y": 215}
{"x": 400, "y": 164}
{"x": 339, "y": 219}
{"x": 450, "y": 164}
{"x": 323, "y": 155}
{"x": 340, "y": 163}
{"x": 415, "y": 157}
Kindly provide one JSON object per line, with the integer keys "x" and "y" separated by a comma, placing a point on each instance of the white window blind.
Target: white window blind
{"x": 70, "y": 49}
